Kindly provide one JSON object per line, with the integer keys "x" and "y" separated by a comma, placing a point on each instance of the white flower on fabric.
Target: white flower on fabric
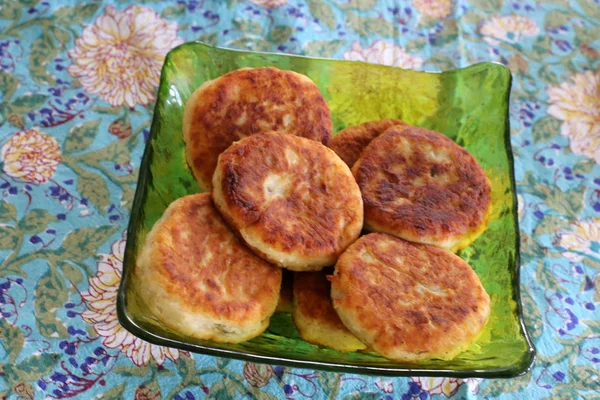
{"x": 385, "y": 386}
{"x": 101, "y": 303}
{"x": 509, "y": 28}
{"x": 433, "y": 8}
{"x": 270, "y": 3}
{"x": 120, "y": 57}
{"x": 577, "y": 104}
{"x": 384, "y": 53}
{"x": 444, "y": 386}
{"x": 520, "y": 205}
{"x": 581, "y": 239}
{"x": 32, "y": 156}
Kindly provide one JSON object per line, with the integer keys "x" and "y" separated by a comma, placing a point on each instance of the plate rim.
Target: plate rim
{"x": 527, "y": 358}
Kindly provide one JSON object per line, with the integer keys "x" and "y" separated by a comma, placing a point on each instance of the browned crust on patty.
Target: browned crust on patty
{"x": 419, "y": 185}
{"x": 312, "y": 298}
{"x": 293, "y": 200}
{"x": 245, "y": 102}
{"x": 314, "y": 315}
{"x": 351, "y": 141}
{"x": 408, "y": 301}
{"x": 201, "y": 264}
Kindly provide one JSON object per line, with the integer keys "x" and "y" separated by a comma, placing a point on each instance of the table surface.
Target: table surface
{"x": 77, "y": 84}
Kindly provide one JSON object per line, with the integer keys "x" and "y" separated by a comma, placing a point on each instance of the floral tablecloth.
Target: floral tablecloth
{"x": 77, "y": 82}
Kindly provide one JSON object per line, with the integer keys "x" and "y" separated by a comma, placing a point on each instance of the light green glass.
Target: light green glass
{"x": 469, "y": 105}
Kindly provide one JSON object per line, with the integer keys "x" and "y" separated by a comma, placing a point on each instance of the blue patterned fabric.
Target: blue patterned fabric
{"x": 77, "y": 83}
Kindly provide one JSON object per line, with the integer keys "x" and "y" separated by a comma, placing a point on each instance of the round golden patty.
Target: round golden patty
{"x": 420, "y": 186}
{"x": 408, "y": 301}
{"x": 291, "y": 199}
{"x": 314, "y": 316}
{"x": 245, "y": 102}
{"x": 350, "y": 142}
{"x": 198, "y": 279}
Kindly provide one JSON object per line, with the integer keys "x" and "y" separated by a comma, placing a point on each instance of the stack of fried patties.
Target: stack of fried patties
{"x": 282, "y": 195}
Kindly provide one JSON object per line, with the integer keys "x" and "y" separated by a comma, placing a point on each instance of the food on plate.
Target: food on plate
{"x": 314, "y": 316}
{"x": 351, "y": 141}
{"x": 291, "y": 199}
{"x": 408, "y": 301}
{"x": 286, "y": 295}
{"x": 218, "y": 265}
{"x": 419, "y": 185}
{"x": 248, "y": 101}
{"x": 198, "y": 279}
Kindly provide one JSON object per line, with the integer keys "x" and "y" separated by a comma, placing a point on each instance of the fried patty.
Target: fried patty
{"x": 198, "y": 279}
{"x": 245, "y": 102}
{"x": 350, "y": 142}
{"x": 408, "y": 301}
{"x": 314, "y": 316}
{"x": 292, "y": 200}
{"x": 420, "y": 186}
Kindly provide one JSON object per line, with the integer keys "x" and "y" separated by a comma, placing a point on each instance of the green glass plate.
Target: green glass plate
{"x": 469, "y": 105}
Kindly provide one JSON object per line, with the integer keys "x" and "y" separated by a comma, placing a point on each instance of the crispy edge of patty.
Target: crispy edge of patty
{"x": 202, "y": 114}
{"x": 377, "y": 296}
{"x": 425, "y": 216}
{"x": 249, "y": 216}
{"x": 161, "y": 291}
{"x": 350, "y": 142}
{"x": 315, "y": 317}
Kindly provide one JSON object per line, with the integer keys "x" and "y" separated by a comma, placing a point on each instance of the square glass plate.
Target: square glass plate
{"x": 469, "y": 105}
